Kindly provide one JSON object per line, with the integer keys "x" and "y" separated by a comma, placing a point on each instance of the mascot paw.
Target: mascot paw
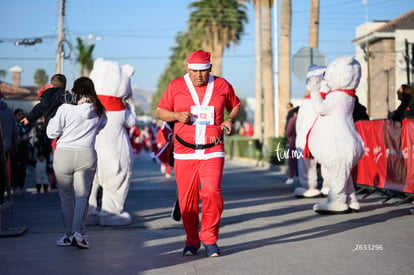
{"x": 324, "y": 191}
{"x": 301, "y": 192}
{"x": 352, "y": 202}
{"x": 354, "y": 206}
{"x": 331, "y": 208}
{"x": 115, "y": 220}
{"x": 314, "y": 84}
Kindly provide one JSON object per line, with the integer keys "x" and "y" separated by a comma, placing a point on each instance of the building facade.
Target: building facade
{"x": 16, "y": 96}
{"x": 385, "y": 50}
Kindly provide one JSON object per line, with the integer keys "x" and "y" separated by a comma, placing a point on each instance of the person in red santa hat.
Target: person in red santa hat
{"x": 196, "y": 102}
{"x": 135, "y": 139}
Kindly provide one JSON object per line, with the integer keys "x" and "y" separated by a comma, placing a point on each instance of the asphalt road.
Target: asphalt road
{"x": 264, "y": 230}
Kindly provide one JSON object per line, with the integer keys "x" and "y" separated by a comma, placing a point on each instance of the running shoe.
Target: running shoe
{"x": 65, "y": 241}
{"x": 212, "y": 250}
{"x": 190, "y": 250}
{"x": 80, "y": 241}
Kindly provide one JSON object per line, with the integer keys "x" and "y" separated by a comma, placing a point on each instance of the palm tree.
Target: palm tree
{"x": 217, "y": 23}
{"x": 84, "y": 58}
{"x": 40, "y": 78}
{"x": 285, "y": 68}
{"x": 314, "y": 24}
{"x": 258, "y": 114}
{"x": 264, "y": 72}
{"x": 268, "y": 89}
{"x": 186, "y": 43}
{"x": 213, "y": 26}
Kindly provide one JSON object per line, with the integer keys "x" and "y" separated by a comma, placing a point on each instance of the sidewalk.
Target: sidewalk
{"x": 264, "y": 230}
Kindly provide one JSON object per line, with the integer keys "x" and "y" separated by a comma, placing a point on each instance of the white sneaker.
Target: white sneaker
{"x": 168, "y": 176}
{"x": 290, "y": 181}
{"x": 80, "y": 241}
{"x": 65, "y": 241}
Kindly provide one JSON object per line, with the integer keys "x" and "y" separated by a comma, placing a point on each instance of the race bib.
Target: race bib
{"x": 202, "y": 115}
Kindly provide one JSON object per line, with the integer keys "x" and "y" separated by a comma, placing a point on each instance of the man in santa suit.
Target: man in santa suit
{"x": 307, "y": 168}
{"x": 196, "y": 102}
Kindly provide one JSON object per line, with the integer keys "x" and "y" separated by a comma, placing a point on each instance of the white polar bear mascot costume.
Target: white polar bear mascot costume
{"x": 308, "y": 175}
{"x": 333, "y": 140}
{"x": 115, "y": 158}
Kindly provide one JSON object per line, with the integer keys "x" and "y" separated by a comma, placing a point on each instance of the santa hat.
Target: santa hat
{"x": 199, "y": 60}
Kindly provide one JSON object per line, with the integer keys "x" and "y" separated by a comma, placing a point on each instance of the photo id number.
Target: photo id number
{"x": 368, "y": 247}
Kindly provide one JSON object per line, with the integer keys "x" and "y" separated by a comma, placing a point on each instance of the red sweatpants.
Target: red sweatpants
{"x": 200, "y": 179}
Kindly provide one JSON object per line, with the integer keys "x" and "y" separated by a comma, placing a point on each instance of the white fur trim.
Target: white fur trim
{"x": 200, "y": 129}
{"x": 199, "y": 66}
{"x": 202, "y": 157}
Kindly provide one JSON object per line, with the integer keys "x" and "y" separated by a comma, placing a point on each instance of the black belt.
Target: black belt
{"x": 198, "y": 146}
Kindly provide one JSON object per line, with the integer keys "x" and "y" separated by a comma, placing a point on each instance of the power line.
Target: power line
{"x": 383, "y": 52}
{"x": 27, "y": 58}
{"x": 13, "y": 40}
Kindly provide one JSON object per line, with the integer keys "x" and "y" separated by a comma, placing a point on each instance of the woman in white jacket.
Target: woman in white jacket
{"x": 74, "y": 162}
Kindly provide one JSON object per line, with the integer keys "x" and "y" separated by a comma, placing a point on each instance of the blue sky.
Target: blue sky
{"x": 141, "y": 33}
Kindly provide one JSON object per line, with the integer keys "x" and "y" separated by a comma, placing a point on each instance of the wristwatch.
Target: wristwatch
{"x": 233, "y": 120}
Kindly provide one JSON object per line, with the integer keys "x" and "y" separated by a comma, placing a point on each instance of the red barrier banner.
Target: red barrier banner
{"x": 407, "y": 144}
{"x": 388, "y": 159}
{"x": 372, "y": 168}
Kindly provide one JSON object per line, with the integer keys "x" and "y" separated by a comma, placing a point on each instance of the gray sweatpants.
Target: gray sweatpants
{"x": 74, "y": 171}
